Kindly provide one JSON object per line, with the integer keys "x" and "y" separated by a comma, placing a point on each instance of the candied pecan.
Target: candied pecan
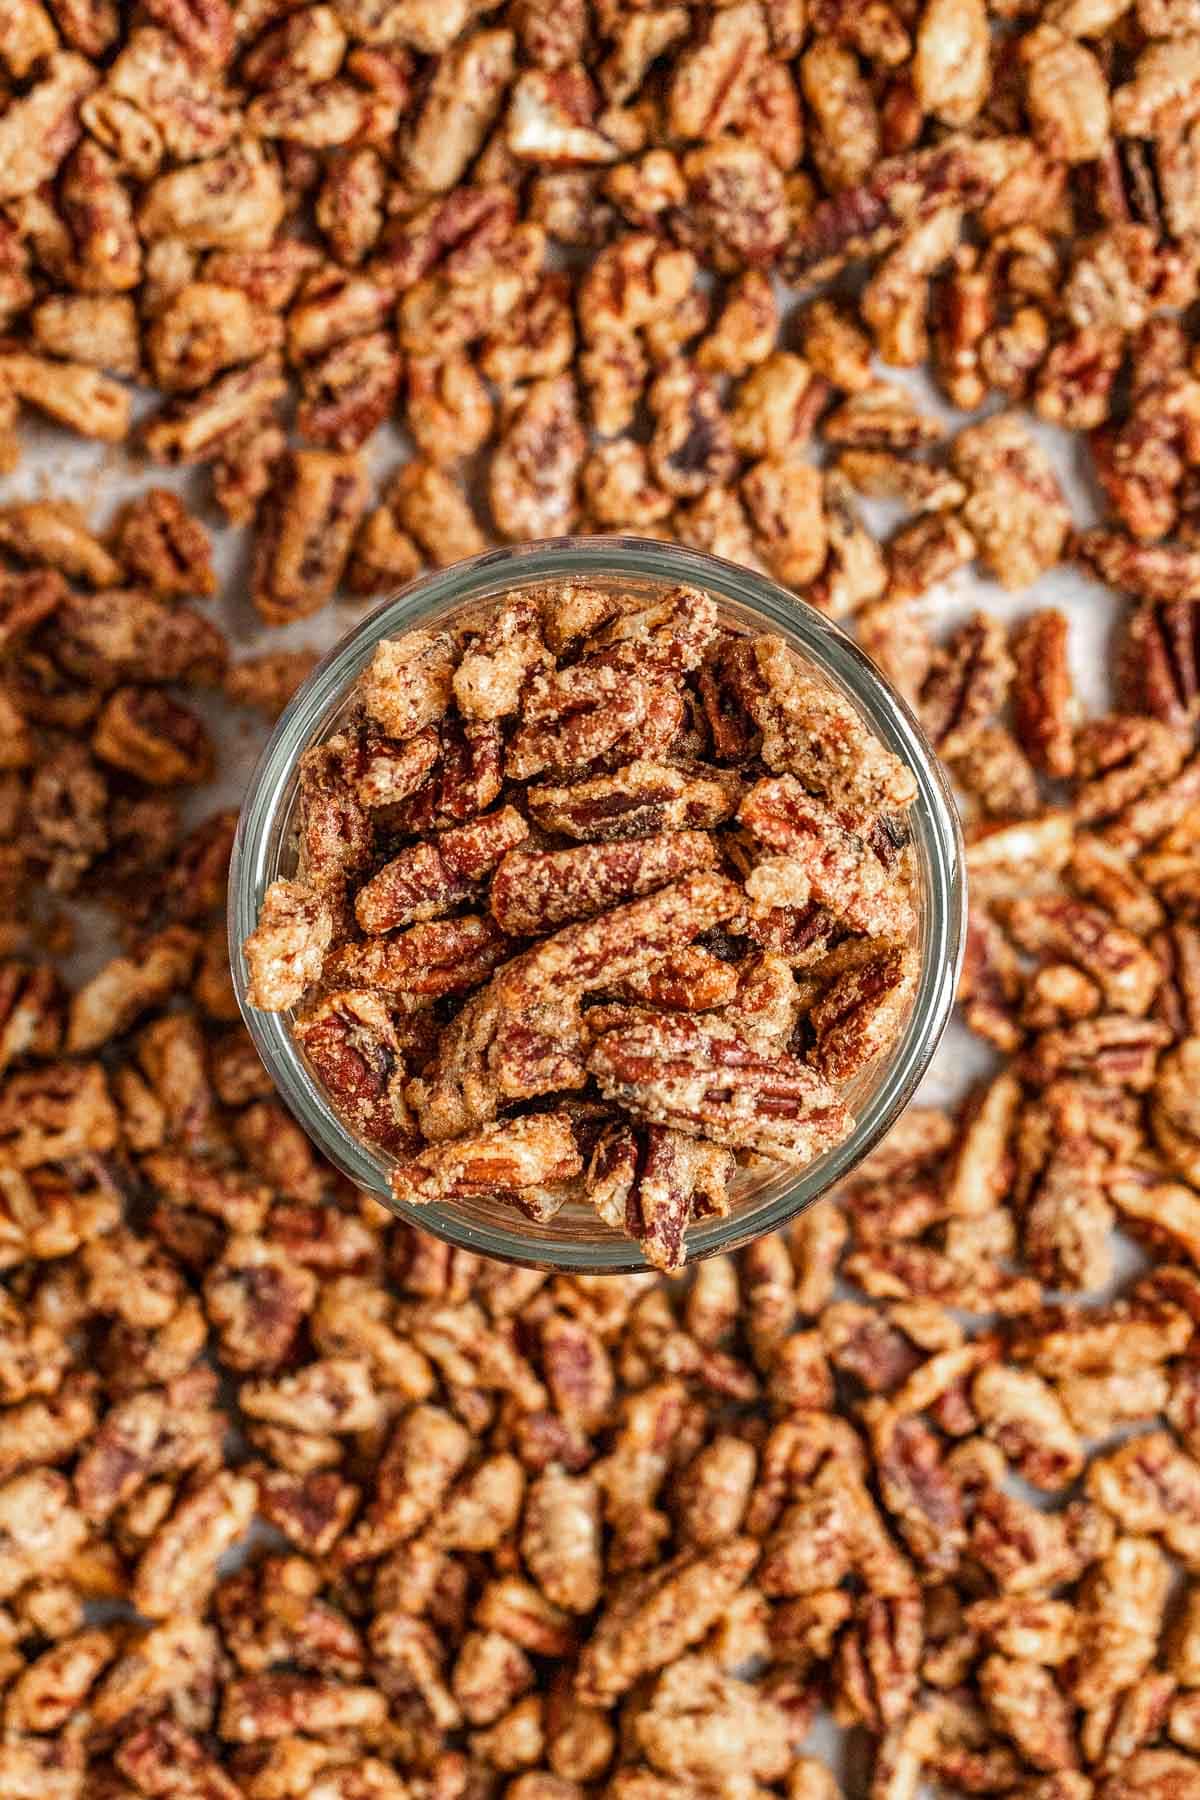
{"x": 128, "y": 986}
{"x": 691, "y": 448}
{"x": 334, "y": 836}
{"x": 811, "y": 734}
{"x": 967, "y": 683}
{"x": 305, "y": 531}
{"x": 269, "y": 680}
{"x": 1043, "y": 700}
{"x": 432, "y": 878}
{"x": 653, "y": 1187}
{"x": 702, "y": 1078}
{"x": 1159, "y": 668}
{"x": 898, "y": 193}
{"x": 1015, "y": 508}
{"x": 349, "y": 391}
{"x": 533, "y": 891}
{"x": 502, "y": 1158}
{"x": 659, "y": 1615}
{"x": 1162, "y": 572}
{"x": 351, "y": 1039}
{"x": 818, "y": 860}
{"x": 1123, "y": 967}
{"x": 286, "y": 951}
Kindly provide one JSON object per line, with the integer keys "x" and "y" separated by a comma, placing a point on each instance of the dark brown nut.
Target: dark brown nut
{"x": 160, "y": 544}
{"x": 653, "y": 1187}
{"x": 967, "y": 683}
{"x": 351, "y": 1039}
{"x": 1043, "y": 698}
{"x": 305, "y": 531}
{"x": 145, "y": 732}
{"x": 349, "y": 391}
{"x": 431, "y": 878}
{"x": 1159, "y": 668}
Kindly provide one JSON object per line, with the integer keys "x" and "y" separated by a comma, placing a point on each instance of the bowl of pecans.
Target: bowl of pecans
{"x": 597, "y": 905}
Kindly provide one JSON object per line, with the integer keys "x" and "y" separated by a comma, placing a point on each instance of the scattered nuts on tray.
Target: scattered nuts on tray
{"x": 718, "y": 946}
{"x": 932, "y": 1463}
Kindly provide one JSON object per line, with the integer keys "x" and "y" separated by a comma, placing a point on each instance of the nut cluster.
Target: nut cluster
{"x": 655, "y": 871}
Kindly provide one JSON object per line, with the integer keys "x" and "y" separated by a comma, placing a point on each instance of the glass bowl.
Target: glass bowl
{"x": 576, "y": 1239}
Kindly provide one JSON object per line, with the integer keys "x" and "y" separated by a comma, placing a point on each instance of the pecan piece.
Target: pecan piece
{"x": 642, "y": 797}
{"x": 700, "y": 1077}
{"x": 1044, "y": 705}
{"x": 862, "y": 1000}
{"x": 305, "y": 531}
{"x": 1127, "y": 972}
{"x": 819, "y": 861}
{"x": 1159, "y": 666}
{"x": 652, "y": 1185}
{"x": 533, "y": 891}
{"x": 500, "y": 1159}
{"x": 351, "y": 1039}
{"x": 431, "y": 878}
{"x": 443, "y": 956}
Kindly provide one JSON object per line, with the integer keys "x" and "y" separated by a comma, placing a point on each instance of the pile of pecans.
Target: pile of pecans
{"x": 690, "y": 910}
{"x": 529, "y": 1538}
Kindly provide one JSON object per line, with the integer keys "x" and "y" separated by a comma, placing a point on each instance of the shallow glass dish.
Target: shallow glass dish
{"x": 576, "y": 1239}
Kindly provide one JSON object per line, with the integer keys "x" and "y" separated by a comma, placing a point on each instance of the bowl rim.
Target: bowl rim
{"x": 937, "y": 834}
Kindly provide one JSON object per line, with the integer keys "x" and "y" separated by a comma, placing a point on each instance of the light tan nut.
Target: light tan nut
{"x": 1015, "y": 508}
